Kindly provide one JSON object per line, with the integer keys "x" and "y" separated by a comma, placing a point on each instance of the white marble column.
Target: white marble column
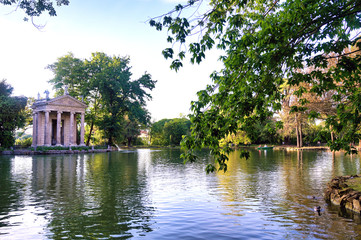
{"x": 35, "y": 129}
{"x": 46, "y": 129}
{"x": 82, "y": 129}
{"x": 71, "y": 129}
{"x": 58, "y": 128}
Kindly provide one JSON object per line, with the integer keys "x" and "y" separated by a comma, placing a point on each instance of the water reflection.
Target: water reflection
{"x": 74, "y": 196}
{"x": 152, "y": 195}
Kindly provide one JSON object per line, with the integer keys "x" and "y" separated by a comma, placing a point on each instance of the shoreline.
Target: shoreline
{"x": 52, "y": 152}
{"x": 67, "y": 151}
{"x": 288, "y": 147}
{"x": 340, "y": 194}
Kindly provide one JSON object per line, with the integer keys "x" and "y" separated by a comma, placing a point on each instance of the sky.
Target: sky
{"x": 115, "y": 27}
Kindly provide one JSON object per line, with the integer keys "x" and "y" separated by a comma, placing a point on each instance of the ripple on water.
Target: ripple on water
{"x": 152, "y": 195}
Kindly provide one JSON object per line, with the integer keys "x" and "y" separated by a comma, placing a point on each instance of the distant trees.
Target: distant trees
{"x": 156, "y": 132}
{"x": 301, "y": 106}
{"x": 105, "y": 84}
{"x": 12, "y": 115}
{"x": 169, "y": 131}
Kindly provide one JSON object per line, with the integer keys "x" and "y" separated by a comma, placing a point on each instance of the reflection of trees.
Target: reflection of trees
{"x": 10, "y": 190}
{"x": 280, "y": 186}
{"x": 92, "y": 195}
{"x": 256, "y": 178}
{"x": 58, "y": 184}
{"x": 119, "y": 193}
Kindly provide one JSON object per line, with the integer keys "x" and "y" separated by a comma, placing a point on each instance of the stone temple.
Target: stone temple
{"x": 55, "y": 121}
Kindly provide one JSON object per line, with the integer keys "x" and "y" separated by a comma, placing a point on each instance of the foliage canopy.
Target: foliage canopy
{"x": 12, "y": 115}
{"x": 266, "y": 42}
{"x": 105, "y": 84}
{"x": 169, "y": 131}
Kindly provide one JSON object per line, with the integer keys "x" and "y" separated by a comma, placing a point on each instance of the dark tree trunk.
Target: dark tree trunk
{"x": 90, "y": 133}
{"x": 110, "y": 141}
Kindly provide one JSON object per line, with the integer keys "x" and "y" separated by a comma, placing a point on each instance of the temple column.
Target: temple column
{"x": 46, "y": 129}
{"x": 71, "y": 129}
{"x": 58, "y": 127}
{"x": 35, "y": 129}
{"x": 82, "y": 130}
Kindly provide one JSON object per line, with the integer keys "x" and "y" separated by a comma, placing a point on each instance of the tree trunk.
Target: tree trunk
{"x": 110, "y": 141}
{"x": 90, "y": 133}
{"x": 332, "y": 136}
{"x": 300, "y": 129}
{"x": 297, "y": 131}
{"x": 298, "y": 136}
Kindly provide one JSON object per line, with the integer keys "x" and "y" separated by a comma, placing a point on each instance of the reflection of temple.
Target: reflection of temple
{"x": 55, "y": 121}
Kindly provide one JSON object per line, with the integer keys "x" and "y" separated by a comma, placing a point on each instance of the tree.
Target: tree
{"x": 298, "y": 109}
{"x": 12, "y": 114}
{"x": 156, "y": 132}
{"x": 175, "y": 129}
{"x": 28, "y": 116}
{"x": 105, "y": 84}
{"x": 131, "y": 129}
{"x": 169, "y": 131}
{"x": 34, "y": 8}
{"x": 239, "y": 138}
{"x": 81, "y": 78}
{"x": 263, "y": 131}
{"x": 265, "y": 42}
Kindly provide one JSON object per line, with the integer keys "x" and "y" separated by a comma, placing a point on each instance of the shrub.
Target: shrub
{"x": 26, "y": 142}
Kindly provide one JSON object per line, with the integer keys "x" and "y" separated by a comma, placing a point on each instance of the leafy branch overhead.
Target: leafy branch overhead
{"x": 35, "y": 8}
{"x": 267, "y": 43}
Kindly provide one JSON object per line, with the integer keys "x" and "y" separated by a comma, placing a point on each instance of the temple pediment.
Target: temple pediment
{"x": 61, "y": 103}
{"x": 66, "y": 100}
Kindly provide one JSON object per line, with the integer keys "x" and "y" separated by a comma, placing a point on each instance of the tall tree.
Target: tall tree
{"x": 264, "y": 42}
{"x": 12, "y": 115}
{"x": 80, "y": 77}
{"x": 105, "y": 84}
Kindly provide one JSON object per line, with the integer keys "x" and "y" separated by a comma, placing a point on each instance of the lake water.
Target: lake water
{"x": 148, "y": 194}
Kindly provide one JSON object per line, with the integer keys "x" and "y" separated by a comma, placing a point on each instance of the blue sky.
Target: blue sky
{"x": 116, "y": 27}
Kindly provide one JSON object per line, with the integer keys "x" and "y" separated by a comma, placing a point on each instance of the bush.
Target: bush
{"x": 80, "y": 148}
{"x": 101, "y": 147}
{"x": 44, "y": 148}
{"x": 26, "y": 142}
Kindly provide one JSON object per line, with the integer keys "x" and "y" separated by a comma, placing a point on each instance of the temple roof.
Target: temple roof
{"x": 61, "y": 103}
